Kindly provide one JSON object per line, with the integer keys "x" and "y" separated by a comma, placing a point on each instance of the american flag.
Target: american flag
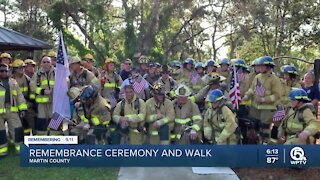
{"x": 139, "y": 84}
{"x": 240, "y": 75}
{"x": 61, "y": 101}
{"x": 260, "y": 89}
{"x": 279, "y": 115}
{"x": 56, "y": 121}
{"x": 234, "y": 92}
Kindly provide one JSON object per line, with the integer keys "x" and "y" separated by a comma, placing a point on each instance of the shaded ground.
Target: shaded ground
{"x": 277, "y": 173}
{"x": 10, "y": 169}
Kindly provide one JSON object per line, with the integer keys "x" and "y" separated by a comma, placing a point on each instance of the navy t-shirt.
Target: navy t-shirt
{"x": 313, "y": 92}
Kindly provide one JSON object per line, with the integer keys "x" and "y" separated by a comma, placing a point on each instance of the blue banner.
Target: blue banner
{"x": 170, "y": 155}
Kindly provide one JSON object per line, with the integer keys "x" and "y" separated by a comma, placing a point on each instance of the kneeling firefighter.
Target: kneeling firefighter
{"x": 160, "y": 115}
{"x": 220, "y": 124}
{"x": 187, "y": 123}
{"x": 94, "y": 113}
{"x": 300, "y": 124}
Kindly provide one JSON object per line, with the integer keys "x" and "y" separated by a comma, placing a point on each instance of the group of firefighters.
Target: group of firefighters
{"x": 181, "y": 103}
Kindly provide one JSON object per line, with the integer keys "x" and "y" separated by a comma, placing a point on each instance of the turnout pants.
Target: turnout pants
{"x": 15, "y": 131}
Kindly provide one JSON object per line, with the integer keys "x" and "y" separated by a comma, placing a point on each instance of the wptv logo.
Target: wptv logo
{"x": 297, "y": 156}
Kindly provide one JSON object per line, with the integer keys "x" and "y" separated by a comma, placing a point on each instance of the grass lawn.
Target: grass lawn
{"x": 10, "y": 169}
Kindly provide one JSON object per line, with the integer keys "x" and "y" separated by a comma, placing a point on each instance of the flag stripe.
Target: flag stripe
{"x": 234, "y": 92}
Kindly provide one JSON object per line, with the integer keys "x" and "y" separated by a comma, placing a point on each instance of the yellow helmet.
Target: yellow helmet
{"x": 108, "y": 60}
{"x": 5, "y": 55}
{"x": 182, "y": 90}
{"x": 52, "y": 54}
{"x": 88, "y": 57}
{"x": 30, "y": 61}
{"x": 17, "y": 63}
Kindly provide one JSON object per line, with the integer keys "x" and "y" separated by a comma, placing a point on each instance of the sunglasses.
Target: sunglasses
{"x": 46, "y": 62}
{"x": 21, "y": 67}
{"x": 1, "y": 71}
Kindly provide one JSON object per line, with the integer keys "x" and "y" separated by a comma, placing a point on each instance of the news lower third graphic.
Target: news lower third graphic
{"x": 63, "y": 151}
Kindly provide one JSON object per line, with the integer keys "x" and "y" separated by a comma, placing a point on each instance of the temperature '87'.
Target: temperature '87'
{"x": 272, "y": 160}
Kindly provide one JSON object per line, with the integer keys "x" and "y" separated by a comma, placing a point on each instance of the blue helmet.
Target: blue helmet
{"x": 199, "y": 65}
{"x": 189, "y": 61}
{"x": 176, "y": 63}
{"x": 239, "y": 62}
{"x": 215, "y": 96}
{"x": 89, "y": 92}
{"x": 211, "y": 62}
{"x": 289, "y": 69}
{"x": 265, "y": 60}
{"x": 298, "y": 94}
{"x": 224, "y": 61}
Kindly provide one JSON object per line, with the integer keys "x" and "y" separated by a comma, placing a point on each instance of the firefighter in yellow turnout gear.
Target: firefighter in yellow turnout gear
{"x": 266, "y": 92}
{"x": 219, "y": 121}
{"x": 160, "y": 116}
{"x": 110, "y": 82}
{"x": 188, "y": 119}
{"x": 42, "y": 85}
{"x": 129, "y": 114}
{"x": 300, "y": 123}
{"x": 80, "y": 76}
{"x": 95, "y": 115}
{"x": 24, "y": 83}
{"x": 12, "y": 103}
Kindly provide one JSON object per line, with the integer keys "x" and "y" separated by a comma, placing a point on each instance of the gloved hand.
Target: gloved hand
{"x": 304, "y": 135}
{"x": 281, "y": 140}
{"x": 159, "y": 116}
{"x": 193, "y": 134}
{"x": 208, "y": 135}
{"x": 22, "y": 114}
{"x": 124, "y": 122}
{"x": 47, "y": 92}
{"x": 217, "y": 140}
{"x": 156, "y": 124}
{"x": 86, "y": 127}
{"x": 260, "y": 99}
{"x": 245, "y": 98}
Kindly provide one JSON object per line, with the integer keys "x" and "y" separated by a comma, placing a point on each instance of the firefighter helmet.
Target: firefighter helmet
{"x": 17, "y": 63}
{"x": 182, "y": 90}
{"x": 5, "y": 55}
{"x": 215, "y": 96}
{"x": 298, "y": 94}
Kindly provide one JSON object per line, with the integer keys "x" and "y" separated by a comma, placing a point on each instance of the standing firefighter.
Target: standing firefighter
{"x": 266, "y": 92}
{"x": 187, "y": 118}
{"x": 110, "y": 82}
{"x": 168, "y": 82}
{"x": 300, "y": 124}
{"x": 24, "y": 83}
{"x": 95, "y": 116}
{"x": 88, "y": 63}
{"x": 160, "y": 115}
{"x": 42, "y": 85}
{"x": 219, "y": 121}
{"x": 129, "y": 114}
{"x": 80, "y": 76}
{"x": 12, "y": 103}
